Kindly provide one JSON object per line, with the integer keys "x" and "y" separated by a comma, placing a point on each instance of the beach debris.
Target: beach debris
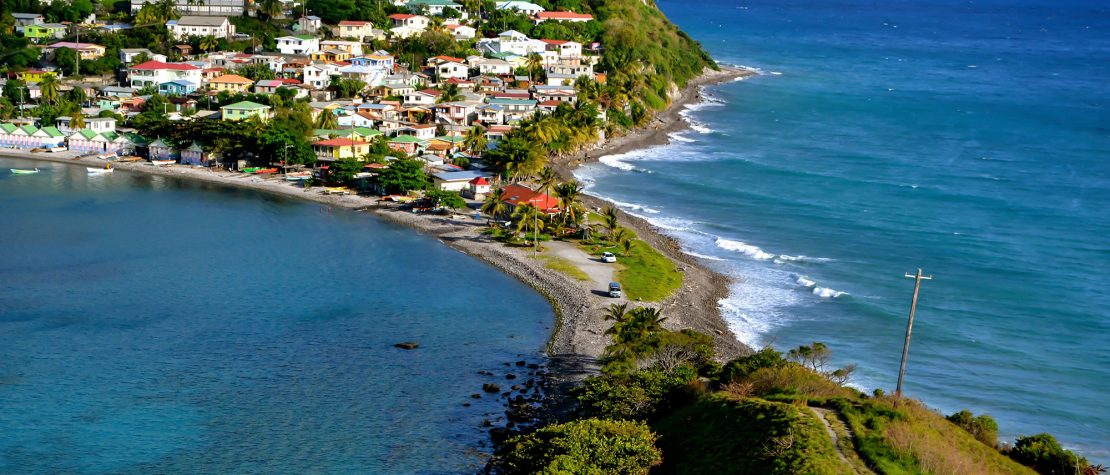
{"x": 407, "y": 345}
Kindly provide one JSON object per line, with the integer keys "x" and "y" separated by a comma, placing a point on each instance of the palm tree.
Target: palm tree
{"x": 527, "y": 218}
{"x": 475, "y": 140}
{"x": 533, "y": 62}
{"x": 629, "y": 244}
{"x": 208, "y": 43}
{"x": 327, "y": 120}
{"x": 616, "y": 312}
{"x": 546, "y": 179}
{"x": 450, "y": 93}
{"x": 48, "y": 87}
{"x": 270, "y": 8}
{"x": 569, "y": 193}
{"x": 77, "y": 120}
{"x": 609, "y": 214}
{"x": 494, "y": 206}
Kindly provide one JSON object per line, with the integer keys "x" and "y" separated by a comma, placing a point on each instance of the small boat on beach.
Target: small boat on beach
{"x": 336, "y": 190}
{"x": 23, "y": 171}
{"x": 160, "y": 163}
{"x": 298, "y": 176}
{"x": 98, "y": 171}
{"x": 265, "y": 171}
{"x": 250, "y": 170}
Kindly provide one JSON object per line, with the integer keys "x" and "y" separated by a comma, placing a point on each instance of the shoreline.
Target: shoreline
{"x": 577, "y": 339}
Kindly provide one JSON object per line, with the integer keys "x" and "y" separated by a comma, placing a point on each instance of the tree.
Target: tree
{"x": 1045, "y": 455}
{"x": 450, "y": 94}
{"x": 403, "y": 176}
{"x": 77, "y": 95}
{"x": 446, "y": 199}
{"x": 546, "y": 179}
{"x": 639, "y": 395}
{"x": 256, "y": 72}
{"x": 48, "y": 87}
{"x": 533, "y": 62}
{"x": 527, "y": 218}
{"x": 347, "y": 87}
{"x": 475, "y": 141}
{"x": 269, "y": 8}
{"x": 15, "y": 91}
{"x": 570, "y": 194}
{"x": 327, "y": 120}
{"x": 495, "y": 205}
{"x": 208, "y": 43}
{"x": 344, "y": 170}
{"x": 584, "y": 446}
{"x": 982, "y": 427}
{"x": 66, "y": 59}
{"x": 609, "y": 215}
{"x": 77, "y": 120}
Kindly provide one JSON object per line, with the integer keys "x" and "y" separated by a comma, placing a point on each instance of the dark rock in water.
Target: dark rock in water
{"x": 476, "y": 396}
{"x": 508, "y": 364}
{"x": 529, "y": 383}
{"x": 510, "y": 376}
{"x": 466, "y": 404}
{"x": 521, "y": 363}
{"x": 490, "y": 388}
{"x": 407, "y": 345}
{"x": 533, "y": 366}
{"x": 506, "y": 394}
{"x": 510, "y": 425}
{"x": 516, "y": 387}
{"x": 485, "y": 373}
{"x": 487, "y": 423}
{"x": 499, "y": 434}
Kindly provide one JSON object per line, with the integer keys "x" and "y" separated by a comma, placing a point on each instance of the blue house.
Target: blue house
{"x": 179, "y": 87}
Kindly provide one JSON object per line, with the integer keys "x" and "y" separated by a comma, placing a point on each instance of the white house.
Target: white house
{"x": 187, "y": 26}
{"x": 565, "y": 49}
{"x": 127, "y": 55}
{"x": 353, "y": 48}
{"x": 527, "y": 8}
{"x": 303, "y": 45}
{"x": 206, "y": 8}
{"x": 357, "y": 29}
{"x": 422, "y": 97}
{"x": 511, "y": 41}
{"x": 457, "y": 181}
{"x": 419, "y": 22}
{"x": 451, "y": 69}
{"x": 461, "y": 32}
{"x": 153, "y": 73}
{"x": 318, "y": 75}
{"x": 370, "y": 75}
{"x": 494, "y": 67}
{"x": 402, "y": 32}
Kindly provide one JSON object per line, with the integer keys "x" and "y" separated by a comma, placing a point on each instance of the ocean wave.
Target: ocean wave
{"x": 680, "y": 137}
{"x": 695, "y": 125}
{"x": 702, "y": 256}
{"x": 805, "y": 282}
{"x": 827, "y": 293}
{"x": 800, "y": 258}
{"x": 632, "y": 206}
{"x": 749, "y": 250}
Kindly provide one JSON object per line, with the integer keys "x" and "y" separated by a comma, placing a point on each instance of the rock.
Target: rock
{"x": 466, "y": 404}
{"x": 533, "y": 366}
{"x": 485, "y": 373}
{"x": 521, "y": 363}
{"x": 487, "y": 423}
{"x": 510, "y": 376}
{"x": 476, "y": 396}
{"x": 499, "y": 434}
{"x": 407, "y": 345}
{"x": 491, "y": 388}
{"x": 516, "y": 387}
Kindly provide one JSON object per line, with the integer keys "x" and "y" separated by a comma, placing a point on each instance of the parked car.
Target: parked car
{"x": 608, "y": 257}
{"x": 615, "y": 290}
{"x": 57, "y": 149}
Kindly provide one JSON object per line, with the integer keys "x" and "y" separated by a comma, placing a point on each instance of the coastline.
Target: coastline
{"x": 577, "y": 339}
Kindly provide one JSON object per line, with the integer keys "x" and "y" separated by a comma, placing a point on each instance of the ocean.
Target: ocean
{"x": 153, "y": 325}
{"x": 966, "y": 138}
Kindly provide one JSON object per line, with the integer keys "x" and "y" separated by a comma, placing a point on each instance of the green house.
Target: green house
{"x": 44, "y": 31}
{"x": 245, "y": 110}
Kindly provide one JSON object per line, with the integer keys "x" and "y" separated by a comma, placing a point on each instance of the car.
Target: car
{"x": 608, "y": 257}
{"x": 615, "y": 290}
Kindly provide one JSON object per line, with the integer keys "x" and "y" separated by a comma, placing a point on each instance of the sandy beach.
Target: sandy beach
{"x": 578, "y": 339}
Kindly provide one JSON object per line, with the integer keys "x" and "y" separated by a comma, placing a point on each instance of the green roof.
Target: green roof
{"x": 111, "y": 136}
{"x": 247, "y": 105}
{"x": 8, "y": 128}
{"x": 30, "y": 129}
{"x": 52, "y": 131}
{"x": 87, "y": 134}
{"x": 405, "y": 139}
{"x": 366, "y": 131}
{"x": 452, "y": 139}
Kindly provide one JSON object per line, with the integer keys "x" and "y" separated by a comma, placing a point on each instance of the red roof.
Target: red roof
{"x": 563, "y": 16}
{"x": 353, "y": 23}
{"x": 401, "y": 16}
{"x": 555, "y": 42}
{"x": 479, "y": 181}
{"x": 449, "y": 58}
{"x": 339, "y": 142}
{"x": 551, "y": 103}
{"x": 154, "y": 65}
{"x": 431, "y": 92}
{"x": 517, "y": 195}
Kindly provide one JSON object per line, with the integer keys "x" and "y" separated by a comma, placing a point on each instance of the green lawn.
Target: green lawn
{"x": 559, "y": 264}
{"x": 645, "y": 273}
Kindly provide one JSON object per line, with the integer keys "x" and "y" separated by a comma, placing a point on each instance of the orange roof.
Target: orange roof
{"x": 401, "y": 16}
{"x": 563, "y": 16}
{"x": 439, "y": 146}
{"x": 517, "y": 195}
{"x": 449, "y": 58}
{"x": 339, "y": 142}
{"x": 232, "y": 78}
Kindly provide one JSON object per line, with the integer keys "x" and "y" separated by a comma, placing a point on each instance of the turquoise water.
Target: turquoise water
{"x": 967, "y": 138}
{"x": 149, "y": 325}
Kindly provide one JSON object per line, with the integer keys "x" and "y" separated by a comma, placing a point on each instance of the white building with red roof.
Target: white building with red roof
{"x": 419, "y": 22}
{"x": 153, "y": 73}
{"x": 422, "y": 97}
{"x": 561, "y": 16}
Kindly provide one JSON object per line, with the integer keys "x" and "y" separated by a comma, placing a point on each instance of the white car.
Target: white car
{"x": 608, "y": 257}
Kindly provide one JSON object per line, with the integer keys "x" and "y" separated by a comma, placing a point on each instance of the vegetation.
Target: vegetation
{"x": 589, "y": 446}
{"x": 564, "y": 266}
{"x": 646, "y": 273}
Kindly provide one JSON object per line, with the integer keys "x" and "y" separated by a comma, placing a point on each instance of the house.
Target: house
{"x": 418, "y": 22}
{"x": 161, "y": 150}
{"x": 434, "y": 7}
{"x": 406, "y": 143}
{"x": 200, "y": 7}
{"x": 232, "y": 83}
{"x": 339, "y": 148}
{"x": 95, "y": 124}
{"x": 215, "y": 26}
{"x": 491, "y": 114}
{"x": 451, "y": 69}
{"x": 86, "y": 51}
{"x": 454, "y": 113}
{"x": 461, "y": 32}
{"x": 513, "y": 42}
{"x": 477, "y": 189}
{"x": 42, "y": 31}
{"x": 310, "y": 24}
{"x": 34, "y": 75}
{"x": 24, "y": 19}
{"x": 515, "y": 109}
{"x": 153, "y": 73}
{"x": 561, "y": 16}
{"x": 424, "y": 132}
{"x": 517, "y": 195}
{"x": 177, "y": 87}
{"x": 422, "y": 97}
{"x": 318, "y": 75}
{"x": 268, "y": 86}
{"x": 370, "y": 75}
{"x": 527, "y": 8}
{"x": 565, "y": 49}
{"x": 494, "y": 67}
{"x": 182, "y": 104}
{"x": 245, "y": 110}
{"x": 303, "y": 45}
{"x": 357, "y": 29}
{"x": 127, "y": 55}
{"x": 377, "y": 59}
{"x": 456, "y": 181}
{"x": 194, "y": 155}
{"x": 85, "y": 141}
{"x": 352, "y": 48}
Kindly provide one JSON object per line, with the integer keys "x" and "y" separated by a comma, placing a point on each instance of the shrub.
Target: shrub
{"x": 590, "y": 446}
{"x": 1045, "y": 455}
{"x": 792, "y": 379}
{"x": 640, "y": 395}
{"x": 742, "y": 367}
{"x": 982, "y": 427}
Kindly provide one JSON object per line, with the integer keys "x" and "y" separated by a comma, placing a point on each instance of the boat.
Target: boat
{"x": 159, "y": 163}
{"x": 98, "y": 171}
{"x": 23, "y": 171}
{"x": 250, "y": 170}
{"x": 265, "y": 171}
{"x": 336, "y": 190}
{"x": 297, "y": 176}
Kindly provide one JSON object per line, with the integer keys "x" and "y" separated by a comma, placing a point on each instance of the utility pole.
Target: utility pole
{"x": 909, "y": 327}
{"x": 77, "y": 69}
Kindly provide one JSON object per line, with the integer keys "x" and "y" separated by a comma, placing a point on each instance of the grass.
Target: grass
{"x": 559, "y": 264}
{"x": 645, "y": 273}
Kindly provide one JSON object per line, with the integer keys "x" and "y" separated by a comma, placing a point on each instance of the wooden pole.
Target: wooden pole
{"x": 909, "y": 327}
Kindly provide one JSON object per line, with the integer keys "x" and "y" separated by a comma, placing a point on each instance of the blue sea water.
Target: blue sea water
{"x": 968, "y": 138}
{"x": 150, "y": 325}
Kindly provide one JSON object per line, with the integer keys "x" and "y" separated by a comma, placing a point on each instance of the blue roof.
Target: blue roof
{"x": 457, "y": 176}
{"x": 181, "y": 82}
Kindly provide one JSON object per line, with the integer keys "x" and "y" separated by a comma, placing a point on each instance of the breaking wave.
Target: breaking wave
{"x": 744, "y": 248}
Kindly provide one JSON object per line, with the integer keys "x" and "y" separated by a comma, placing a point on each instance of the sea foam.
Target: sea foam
{"x": 749, "y": 250}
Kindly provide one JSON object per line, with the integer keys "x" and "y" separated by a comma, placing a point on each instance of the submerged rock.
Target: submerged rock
{"x": 491, "y": 388}
{"x": 510, "y": 376}
{"x": 407, "y": 345}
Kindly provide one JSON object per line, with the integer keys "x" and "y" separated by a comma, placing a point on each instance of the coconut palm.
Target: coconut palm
{"x": 616, "y": 312}
{"x": 628, "y": 245}
{"x": 450, "y": 93}
{"x": 327, "y": 120}
{"x": 569, "y": 194}
{"x": 528, "y": 219}
{"x": 546, "y": 179}
{"x": 48, "y": 87}
{"x": 533, "y": 62}
{"x": 609, "y": 215}
{"x": 475, "y": 141}
{"x": 494, "y": 206}
{"x": 77, "y": 120}
{"x": 208, "y": 43}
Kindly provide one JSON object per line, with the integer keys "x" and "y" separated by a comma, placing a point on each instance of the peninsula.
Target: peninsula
{"x": 463, "y": 120}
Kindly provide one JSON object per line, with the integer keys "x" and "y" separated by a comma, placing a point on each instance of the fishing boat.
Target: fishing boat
{"x": 98, "y": 171}
{"x": 297, "y": 176}
{"x": 265, "y": 171}
{"x": 250, "y": 170}
{"x": 23, "y": 171}
{"x": 160, "y": 163}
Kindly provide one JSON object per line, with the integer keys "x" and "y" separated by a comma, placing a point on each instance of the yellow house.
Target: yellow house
{"x": 232, "y": 83}
{"x": 339, "y": 148}
{"x": 245, "y": 110}
{"x": 331, "y": 55}
{"x": 34, "y": 75}
{"x": 86, "y": 51}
